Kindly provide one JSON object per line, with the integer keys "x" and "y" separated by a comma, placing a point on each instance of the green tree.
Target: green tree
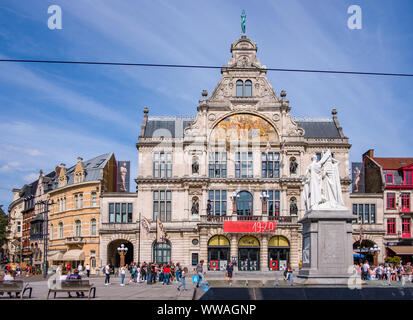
{"x": 4, "y": 220}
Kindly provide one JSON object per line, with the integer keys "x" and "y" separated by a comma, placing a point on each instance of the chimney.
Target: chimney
{"x": 369, "y": 153}
{"x": 79, "y": 159}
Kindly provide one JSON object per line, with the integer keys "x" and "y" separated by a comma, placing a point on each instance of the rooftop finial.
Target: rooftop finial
{"x": 243, "y": 18}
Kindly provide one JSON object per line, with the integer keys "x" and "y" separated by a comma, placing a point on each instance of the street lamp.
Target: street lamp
{"x": 46, "y": 204}
{"x": 122, "y": 250}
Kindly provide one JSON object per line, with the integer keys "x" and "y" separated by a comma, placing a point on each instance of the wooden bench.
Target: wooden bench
{"x": 72, "y": 285}
{"x": 16, "y": 286}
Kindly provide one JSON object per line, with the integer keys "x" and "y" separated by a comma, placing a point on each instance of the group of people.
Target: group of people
{"x": 151, "y": 273}
{"x": 387, "y": 272}
{"x": 19, "y": 271}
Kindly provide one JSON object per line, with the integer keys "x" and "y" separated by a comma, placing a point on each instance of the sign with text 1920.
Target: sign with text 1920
{"x": 249, "y": 226}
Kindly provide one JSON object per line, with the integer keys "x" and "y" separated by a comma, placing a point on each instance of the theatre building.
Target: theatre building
{"x": 226, "y": 183}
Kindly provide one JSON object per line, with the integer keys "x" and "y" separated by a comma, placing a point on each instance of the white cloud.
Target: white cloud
{"x": 31, "y": 177}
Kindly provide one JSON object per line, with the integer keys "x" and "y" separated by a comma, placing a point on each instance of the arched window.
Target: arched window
{"x": 93, "y": 227}
{"x": 60, "y": 230}
{"x": 239, "y": 86}
{"x": 244, "y": 204}
{"x": 248, "y": 88}
{"x": 162, "y": 252}
{"x": 78, "y": 228}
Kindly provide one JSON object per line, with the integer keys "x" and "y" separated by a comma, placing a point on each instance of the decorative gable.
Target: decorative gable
{"x": 62, "y": 176}
{"x": 79, "y": 175}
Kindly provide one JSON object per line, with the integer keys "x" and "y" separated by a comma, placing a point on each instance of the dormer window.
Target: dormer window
{"x": 244, "y": 89}
{"x": 389, "y": 178}
{"x": 407, "y": 177}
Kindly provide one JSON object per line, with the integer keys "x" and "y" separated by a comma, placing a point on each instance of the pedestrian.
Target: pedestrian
{"x": 149, "y": 275}
{"x": 122, "y": 275}
{"x": 229, "y": 271}
{"x": 408, "y": 271}
{"x": 290, "y": 271}
{"x": 87, "y": 270}
{"x": 365, "y": 270}
{"x": 200, "y": 272}
{"x": 387, "y": 271}
{"x": 183, "y": 279}
{"x": 166, "y": 274}
{"x": 178, "y": 271}
{"x": 107, "y": 275}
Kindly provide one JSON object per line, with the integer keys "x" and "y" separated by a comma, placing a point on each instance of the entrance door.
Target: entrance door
{"x": 281, "y": 255}
{"x": 249, "y": 259}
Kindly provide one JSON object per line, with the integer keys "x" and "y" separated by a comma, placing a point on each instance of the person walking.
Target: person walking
{"x": 229, "y": 272}
{"x": 290, "y": 271}
{"x": 107, "y": 275}
{"x": 122, "y": 276}
{"x": 200, "y": 272}
{"x": 87, "y": 270}
{"x": 183, "y": 279}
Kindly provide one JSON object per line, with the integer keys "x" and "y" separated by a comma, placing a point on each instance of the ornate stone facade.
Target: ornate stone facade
{"x": 244, "y": 140}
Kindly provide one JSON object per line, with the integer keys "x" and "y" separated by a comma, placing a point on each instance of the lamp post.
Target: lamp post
{"x": 122, "y": 250}
{"x": 264, "y": 197}
{"x": 45, "y": 212}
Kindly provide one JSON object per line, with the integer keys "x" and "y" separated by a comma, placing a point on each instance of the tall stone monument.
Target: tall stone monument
{"x": 327, "y": 226}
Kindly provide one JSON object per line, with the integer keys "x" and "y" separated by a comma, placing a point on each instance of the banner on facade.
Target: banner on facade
{"x": 122, "y": 184}
{"x": 357, "y": 170}
{"x": 161, "y": 235}
{"x": 145, "y": 228}
{"x": 249, "y": 226}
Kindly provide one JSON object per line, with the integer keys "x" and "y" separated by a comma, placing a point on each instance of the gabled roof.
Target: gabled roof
{"x": 393, "y": 163}
{"x": 92, "y": 169}
{"x": 318, "y": 128}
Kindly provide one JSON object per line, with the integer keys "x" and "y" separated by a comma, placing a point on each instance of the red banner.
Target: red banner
{"x": 249, "y": 226}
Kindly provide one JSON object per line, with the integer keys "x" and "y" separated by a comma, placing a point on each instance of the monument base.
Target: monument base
{"x": 327, "y": 248}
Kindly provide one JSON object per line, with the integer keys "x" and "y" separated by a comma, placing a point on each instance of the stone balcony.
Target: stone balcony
{"x": 280, "y": 220}
{"x": 75, "y": 240}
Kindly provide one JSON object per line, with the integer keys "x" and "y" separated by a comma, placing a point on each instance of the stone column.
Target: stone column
{"x": 264, "y": 253}
{"x": 234, "y": 249}
{"x": 203, "y": 246}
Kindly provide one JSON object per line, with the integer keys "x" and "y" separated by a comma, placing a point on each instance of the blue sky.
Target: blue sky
{"x": 51, "y": 114}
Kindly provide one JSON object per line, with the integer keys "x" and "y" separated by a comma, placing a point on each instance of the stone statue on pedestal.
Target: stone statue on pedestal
{"x": 322, "y": 189}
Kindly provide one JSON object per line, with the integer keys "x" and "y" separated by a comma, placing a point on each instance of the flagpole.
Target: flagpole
{"x": 139, "y": 240}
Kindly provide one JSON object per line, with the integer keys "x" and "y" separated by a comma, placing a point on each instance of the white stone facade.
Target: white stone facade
{"x": 242, "y": 115}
